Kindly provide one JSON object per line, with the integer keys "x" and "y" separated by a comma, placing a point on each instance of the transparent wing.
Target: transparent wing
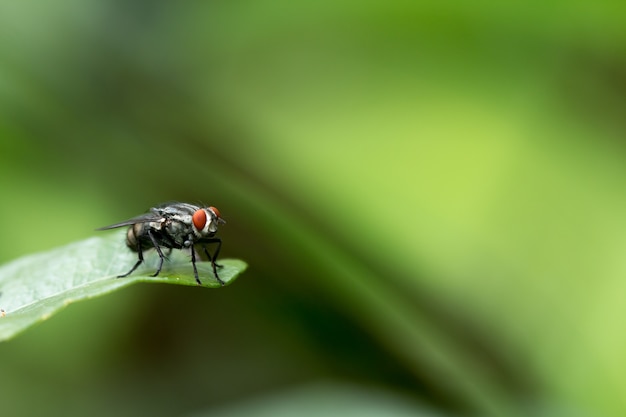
{"x": 144, "y": 218}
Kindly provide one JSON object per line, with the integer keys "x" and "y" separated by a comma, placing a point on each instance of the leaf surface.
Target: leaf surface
{"x": 34, "y": 287}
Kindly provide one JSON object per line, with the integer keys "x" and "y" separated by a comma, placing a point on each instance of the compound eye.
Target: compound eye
{"x": 199, "y": 219}
{"x": 216, "y": 211}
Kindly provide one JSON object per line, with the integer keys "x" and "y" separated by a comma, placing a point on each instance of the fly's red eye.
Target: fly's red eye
{"x": 199, "y": 219}
{"x": 216, "y": 211}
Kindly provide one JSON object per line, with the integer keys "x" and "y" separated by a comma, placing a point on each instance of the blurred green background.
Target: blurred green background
{"x": 429, "y": 196}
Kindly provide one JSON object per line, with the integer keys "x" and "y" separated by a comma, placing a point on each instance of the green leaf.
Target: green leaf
{"x": 34, "y": 287}
{"x": 324, "y": 399}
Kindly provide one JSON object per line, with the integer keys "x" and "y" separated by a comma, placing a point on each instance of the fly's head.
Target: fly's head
{"x": 205, "y": 221}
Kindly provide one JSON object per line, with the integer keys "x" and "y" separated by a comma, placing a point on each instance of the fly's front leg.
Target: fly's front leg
{"x": 195, "y": 269}
{"x": 213, "y": 258}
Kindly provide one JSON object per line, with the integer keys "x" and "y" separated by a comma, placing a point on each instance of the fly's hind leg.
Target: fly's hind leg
{"x": 139, "y": 261}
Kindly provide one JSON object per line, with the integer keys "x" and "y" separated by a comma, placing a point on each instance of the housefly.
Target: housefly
{"x": 173, "y": 226}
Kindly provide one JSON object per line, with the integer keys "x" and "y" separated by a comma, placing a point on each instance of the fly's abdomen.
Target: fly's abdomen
{"x": 132, "y": 235}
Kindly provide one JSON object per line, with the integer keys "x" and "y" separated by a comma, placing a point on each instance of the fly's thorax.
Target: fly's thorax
{"x": 178, "y": 230}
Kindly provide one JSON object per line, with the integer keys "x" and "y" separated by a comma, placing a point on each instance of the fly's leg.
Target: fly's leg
{"x": 158, "y": 249}
{"x": 168, "y": 248}
{"x": 213, "y": 258}
{"x": 195, "y": 269}
{"x": 139, "y": 261}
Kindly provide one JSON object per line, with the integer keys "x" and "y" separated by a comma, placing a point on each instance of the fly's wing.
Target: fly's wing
{"x": 144, "y": 218}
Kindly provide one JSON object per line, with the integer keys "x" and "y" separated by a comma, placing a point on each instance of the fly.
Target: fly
{"x": 173, "y": 226}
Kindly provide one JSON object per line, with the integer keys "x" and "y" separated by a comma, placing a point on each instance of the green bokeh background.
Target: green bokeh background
{"x": 429, "y": 196}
